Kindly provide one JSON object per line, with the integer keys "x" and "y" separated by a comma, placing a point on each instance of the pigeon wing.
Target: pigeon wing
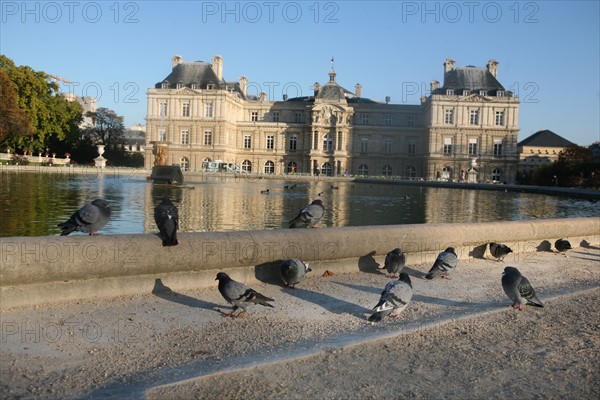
{"x": 526, "y": 291}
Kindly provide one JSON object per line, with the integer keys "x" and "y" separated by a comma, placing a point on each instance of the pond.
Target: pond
{"x": 32, "y": 204}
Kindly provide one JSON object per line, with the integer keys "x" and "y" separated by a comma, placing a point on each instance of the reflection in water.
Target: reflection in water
{"x": 32, "y": 204}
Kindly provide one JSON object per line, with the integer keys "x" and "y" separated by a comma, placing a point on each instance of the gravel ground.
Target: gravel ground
{"x": 457, "y": 339}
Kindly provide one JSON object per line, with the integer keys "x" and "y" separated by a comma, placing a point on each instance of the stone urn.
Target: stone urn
{"x": 100, "y": 161}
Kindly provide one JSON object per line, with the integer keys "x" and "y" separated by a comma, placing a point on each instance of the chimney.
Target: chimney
{"x": 492, "y": 66}
{"x": 244, "y": 85}
{"x": 316, "y": 87}
{"x": 357, "y": 90}
{"x": 176, "y": 60}
{"x": 262, "y": 96}
{"x": 434, "y": 85}
{"x": 448, "y": 65}
{"x": 217, "y": 66}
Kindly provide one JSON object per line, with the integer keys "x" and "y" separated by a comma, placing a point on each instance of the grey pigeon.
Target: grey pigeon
{"x": 166, "y": 217}
{"x": 499, "y": 251}
{"x": 395, "y": 260}
{"x": 562, "y": 245}
{"x": 518, "y": 289}
{"x": 88, "y": 219}
{"x": 292, "y": 271}
{"x": 444, "y": 264}
{"x": 309, "y": 216}
{"x": 395, "y": 297}
{"x": 240, "y": 295}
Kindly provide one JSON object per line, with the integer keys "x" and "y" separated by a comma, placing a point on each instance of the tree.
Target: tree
{"x": 50, "y": 114}
{"x": 14, "y": 121}
{"x": 107, "y": 127}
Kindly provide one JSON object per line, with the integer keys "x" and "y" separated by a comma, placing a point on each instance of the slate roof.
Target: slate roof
{"x": 545, "y": 138}
{"x": 472, "y": 79}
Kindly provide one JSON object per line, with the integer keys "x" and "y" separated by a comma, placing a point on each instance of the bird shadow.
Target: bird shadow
{"x": 478, "y": 251}
{"x": 166, "y": 293}
{"x": 447, "y": 302}
{"x": 269, "y": 272}
{"x": 362, "y": 288}
{"x": 544, "y": 246}
{"x": 587, "y": 245}
{"x": 329, "y": 303}
{"x": 368, "y": 264}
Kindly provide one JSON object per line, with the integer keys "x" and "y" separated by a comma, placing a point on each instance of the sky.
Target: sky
{"x": 548, "y": 51}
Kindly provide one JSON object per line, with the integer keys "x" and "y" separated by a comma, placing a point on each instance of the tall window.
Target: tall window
{"x": 269, "y": 167}
{"x": 447, "y": 146}
{"x": 163, "y": 109}
{"x": 298, "y": 117}
{"x": 387, "y": 146}
{"x": 363, "y": 170}
{"x": 315, "y": 140}
{"x": 185, "y": 110}
{"x": 365, "y": 119}
{"x": 496, "y": 175}
{"x": 499, "y": 118}
{"x": 247, "y": 166}
{"x": 411, "y": 172}
{"x": 412, "y": 148}
{"x": 184, "y": 164}
{"x": 449, "y": 117}
{"x": 411, "y": 120}
{"x": 276, "y": 116}
{"x": 208, "y": 138}
{"x": 208, "y": 110}
{"x": 293, "y": 143}
{"x": 386, "y": 170}
{"x": 364, "y": 144}
{"x": 339, "y": 140}
{"x": 388, "y": 120}
{"x": 472, "y": 147}
{"x": 327, "y": 143}
{"x": 162, "y": 134}
{"x": 270, "y": 142}
{"x": 474, "y": 117}
{"x": 254, "y": 116}
{"x": 247, "y": 141}
{"x": 185, "y": 136}
{"x": 291, "y": 167}
{"x": 497, "y": 147}
{"x": 327, "y": 169}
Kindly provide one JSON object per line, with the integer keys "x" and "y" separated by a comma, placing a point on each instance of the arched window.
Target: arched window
{"x": 447, "y": 173}
{"x": 184, "y": 164}
{"x": 411, "y": 172}
{"x": 247, "y": 166}
{"x": 291, "y": 167}
{"x": 269, "y": 167}
{"x": 497, "y": 175}
{"x": 326, "y": 169}
{"x": 386, "y": 170}
{"x": 327, "y": 143}
{"x": 363, "y": 170}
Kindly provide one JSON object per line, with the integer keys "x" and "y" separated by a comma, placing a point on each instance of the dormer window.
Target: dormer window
{"x": 164, "y": 85}
{"x": 465, "y": 92}
{"x": 210, "y": 86}
{"x": 500, "y": 93}
{"x": 483, "y": 92}
{"x": 195, "y": 86}
{"x": 449, "y": 92}
{"x": 179, "y": 85}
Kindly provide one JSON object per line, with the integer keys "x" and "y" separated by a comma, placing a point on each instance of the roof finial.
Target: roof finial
{"x": 331, "y": 62}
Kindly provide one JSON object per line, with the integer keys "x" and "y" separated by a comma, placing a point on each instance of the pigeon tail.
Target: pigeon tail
{"x": 429, "y": 276}
{"x": 67, "y": 227}
{"x": 378, "y": 316}
{"x": 535, "y": 302}
{"x": 257, "y": 298}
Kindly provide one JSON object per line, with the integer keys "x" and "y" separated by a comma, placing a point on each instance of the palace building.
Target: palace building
{"x": 465, "y": 130}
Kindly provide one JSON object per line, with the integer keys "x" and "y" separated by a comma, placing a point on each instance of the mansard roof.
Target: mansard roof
{"x": 188, "y": 73}
{"x": 545, "y": 138}
{"x": 472, "y": 79}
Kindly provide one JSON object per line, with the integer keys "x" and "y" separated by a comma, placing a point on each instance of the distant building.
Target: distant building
{"x": 540, "y": 149}
{"x": 88, "y": 104}
{"x": 135, "y": 139}
{"x": 465, "y": 130}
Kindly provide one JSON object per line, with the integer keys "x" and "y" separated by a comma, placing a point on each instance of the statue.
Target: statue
{"x": 160, "y": 152}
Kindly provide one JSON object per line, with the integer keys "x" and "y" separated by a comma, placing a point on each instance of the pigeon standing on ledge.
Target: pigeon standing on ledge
{"x": 395, "y": 260}
{"x": 518, "y": 289}
{"x": 395, "y": 297}
{"x": 240, "y": 295}
{"x": 562, "y": 245}
{"x": 166, "y": 217}
{"x": 499, "y": 251}
{"x": 88, "y": 219}
{"x": 309, "y": 216}
{"x": 292, "y": 271}
{"x": 444, "y": 264}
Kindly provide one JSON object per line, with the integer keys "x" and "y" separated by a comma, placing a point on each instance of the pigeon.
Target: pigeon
{"x": 88, "y": 219}
{"x": 562, "y": 245}
{"x": 518, "y": 289}
{"x": 499, "y": 250}
{"x": 445, "y": 263}
{"x": 309, "y": 216}
{"x": 395, "y": 297}
{"x": 292, "y": 271}
{"x": 267, "y": 191}
{"x": 240, "y": 295}
{"x": 394, "y": 262}
{"x": 166, "y": 217}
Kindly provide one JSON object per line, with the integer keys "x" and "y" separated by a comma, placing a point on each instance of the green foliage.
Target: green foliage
{"x": 108, "y": 127}
{"x": 575, "y": 168}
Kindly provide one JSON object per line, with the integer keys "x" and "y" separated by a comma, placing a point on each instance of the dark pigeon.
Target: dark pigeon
{"x": 395, "y": 261}
{"x": 88, "y": 219}
{"x": 166, "y": 217}
{"x": 444, "y": 264}
{"x": 499, "y": 251}
{"x": 395, "y": 297}
{"x": 309, "y": 216}
{"x": 292, "y": 271}
{"x": 518, "y": 289}
{"x": 562, "y": 245}
{"x": 240, "y": 295}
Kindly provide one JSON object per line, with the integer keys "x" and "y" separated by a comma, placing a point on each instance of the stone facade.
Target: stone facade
{"x": 540, "y": 149}
{"x": 204, "y": 118}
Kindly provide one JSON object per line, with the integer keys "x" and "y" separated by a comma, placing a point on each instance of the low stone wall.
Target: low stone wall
{"x": 37, "y": 270}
